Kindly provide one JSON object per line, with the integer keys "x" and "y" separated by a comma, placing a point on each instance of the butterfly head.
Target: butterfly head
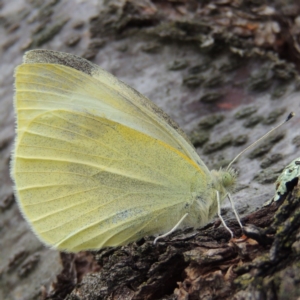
{"x": 225, "y": 180}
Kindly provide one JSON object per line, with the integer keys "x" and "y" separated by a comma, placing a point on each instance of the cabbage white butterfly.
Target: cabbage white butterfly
{"x": 97, "y": 164}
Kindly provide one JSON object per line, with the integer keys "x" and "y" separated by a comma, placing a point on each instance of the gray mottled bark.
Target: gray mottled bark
{"x": 226, "y": 71}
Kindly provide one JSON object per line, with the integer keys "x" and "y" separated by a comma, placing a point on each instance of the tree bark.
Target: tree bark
{"x": 226, "y": 71}
{"x": 204, "y": 263}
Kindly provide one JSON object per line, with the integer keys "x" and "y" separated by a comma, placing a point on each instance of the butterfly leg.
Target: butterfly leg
{"x": 171, "y": 231}
{"x": 234, "y": 210}
{"x": 219, "y": 215}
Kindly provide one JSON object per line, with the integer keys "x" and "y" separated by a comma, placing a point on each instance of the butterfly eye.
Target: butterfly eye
{"x": 228, "y": 179}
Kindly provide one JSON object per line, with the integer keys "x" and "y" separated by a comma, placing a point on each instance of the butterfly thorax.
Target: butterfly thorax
{"x": 205, "y": 206}
{"x": 222, "y": 182}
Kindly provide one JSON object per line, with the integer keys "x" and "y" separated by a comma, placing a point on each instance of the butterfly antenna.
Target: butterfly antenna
{"x": 291, "y": 115}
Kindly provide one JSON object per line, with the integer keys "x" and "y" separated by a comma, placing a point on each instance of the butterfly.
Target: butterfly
{"x": 97, "y": 164}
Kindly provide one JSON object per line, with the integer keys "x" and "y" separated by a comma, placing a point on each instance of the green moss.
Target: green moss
{"x": 243, "y": 281}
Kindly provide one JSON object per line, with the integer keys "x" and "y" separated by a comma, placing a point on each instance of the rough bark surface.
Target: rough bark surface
{"x": 226, "y": 71}
{"x": 201, "y": 264}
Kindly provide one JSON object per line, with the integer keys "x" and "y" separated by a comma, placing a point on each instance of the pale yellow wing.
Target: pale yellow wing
{"x": 85, "y": 182}
{"x": 50, "y": 80}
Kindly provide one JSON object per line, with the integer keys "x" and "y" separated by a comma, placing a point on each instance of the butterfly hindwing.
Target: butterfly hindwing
{"x": 85, "y": 182}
